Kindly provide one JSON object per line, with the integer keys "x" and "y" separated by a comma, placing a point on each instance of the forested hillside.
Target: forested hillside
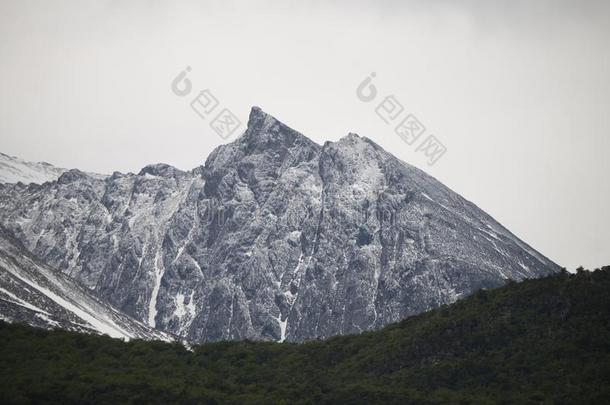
{"x": 538, "y": 341}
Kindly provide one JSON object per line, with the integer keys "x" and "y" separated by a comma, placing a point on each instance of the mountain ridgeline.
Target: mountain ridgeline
{"x": 274, "y": 238}
{"x": 538, "y": 341}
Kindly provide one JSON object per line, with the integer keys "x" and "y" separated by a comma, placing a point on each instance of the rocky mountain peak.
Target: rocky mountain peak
{"x": 160, "y": 170}
{"x": 72, "y": 175}
{"x": 353, "y": 136}
{"x": 275, "y": 238}
{"x": 266, "y": 132}
{"x": 257, "y": 117}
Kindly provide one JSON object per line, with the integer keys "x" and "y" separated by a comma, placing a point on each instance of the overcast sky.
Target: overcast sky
{"x": 517, "y": 91}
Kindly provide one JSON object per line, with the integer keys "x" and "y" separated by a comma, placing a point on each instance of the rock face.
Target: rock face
{"x": 33, "y": 293}
{"x": 274, "y": 238}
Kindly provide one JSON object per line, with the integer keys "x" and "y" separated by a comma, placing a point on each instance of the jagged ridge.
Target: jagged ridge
{"x": 274, "y": 238}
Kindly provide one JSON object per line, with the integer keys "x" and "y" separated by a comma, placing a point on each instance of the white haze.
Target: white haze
{"x": 518, "y": 91}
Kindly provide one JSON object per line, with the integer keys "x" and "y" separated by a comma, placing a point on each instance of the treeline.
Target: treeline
{"x": 538, "y": 341}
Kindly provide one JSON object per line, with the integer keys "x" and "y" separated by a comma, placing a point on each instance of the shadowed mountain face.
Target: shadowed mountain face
{"x": 274, "y": 238}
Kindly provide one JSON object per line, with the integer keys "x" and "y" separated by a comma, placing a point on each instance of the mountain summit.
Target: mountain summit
{"x": 274, "y": 238}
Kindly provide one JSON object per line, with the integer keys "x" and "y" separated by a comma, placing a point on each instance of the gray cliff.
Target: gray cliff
{"x": 274, "y": 238}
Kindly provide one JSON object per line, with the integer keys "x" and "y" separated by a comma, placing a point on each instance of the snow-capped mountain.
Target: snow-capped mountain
{"x": 274, "y": 238}
{"x": 14, "y": 170}
{"x": 33, "y": 293}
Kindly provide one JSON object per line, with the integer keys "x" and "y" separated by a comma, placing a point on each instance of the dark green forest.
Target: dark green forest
{"x": 537, "y": 341}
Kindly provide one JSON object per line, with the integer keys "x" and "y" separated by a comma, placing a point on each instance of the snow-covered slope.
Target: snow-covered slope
{"x": 33, "y": 293}
{"x": 14, "y": 170}
{"x": 275, "y": 238}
